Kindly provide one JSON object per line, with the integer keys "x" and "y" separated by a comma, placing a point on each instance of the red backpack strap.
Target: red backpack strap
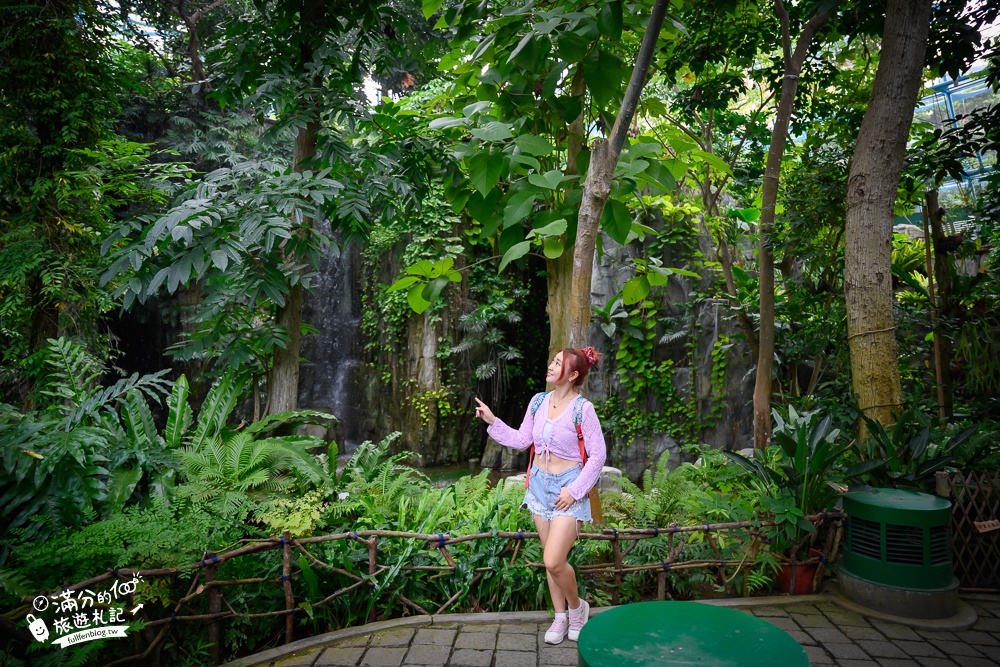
{"x": 577, "y": 420}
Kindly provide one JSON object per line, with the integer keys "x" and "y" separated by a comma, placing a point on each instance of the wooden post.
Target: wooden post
{"x": 616, "y": 545}
{"x": 938, "y": 377}
{"x": 661, "y": 585}
{"x": 214, "y": 607}
{"x": 942, "y": 484}
{"x": 286, "y": 572}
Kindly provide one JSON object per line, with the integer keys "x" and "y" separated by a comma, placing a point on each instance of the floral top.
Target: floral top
{"x": 562, "y": 440}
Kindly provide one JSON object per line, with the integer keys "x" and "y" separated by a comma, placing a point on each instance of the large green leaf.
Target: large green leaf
{"x": 550, "y": 180}
{"x": 554, "y": 228}
{"x": 517, "y": 251}
{"x": 552, "y": 247}
{"x": 635, "y": 290}
{"x": 518, "y": 208}
{"x": 485, "y": 169}
{"x": 572, "y": 47}
{"x": 483, "y": 208}
{"x": 493, "y": 131}
{"x": 179, "y": 414}
{"x": 215, "y": 410}
{"x": 120, "y": 487}
{"x": 616, "y": 221}
{"x": 605, "y": 75}
{"x": 533, "y": 145}
{"x": 609, "y": 20}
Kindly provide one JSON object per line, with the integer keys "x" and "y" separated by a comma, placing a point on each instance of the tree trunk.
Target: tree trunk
{"x": 560, "y": 281}
{"x": 283, "y": 379}
{"x": 871, "y": 196}
{"x": 603, "y": 160}
{"x": 943, "y": 305}
{"x": 769, "y": 197}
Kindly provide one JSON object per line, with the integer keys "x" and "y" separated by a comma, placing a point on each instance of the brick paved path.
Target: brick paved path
{"x": 831, "y": 634}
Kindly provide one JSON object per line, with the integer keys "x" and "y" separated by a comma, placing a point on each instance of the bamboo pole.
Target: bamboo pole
{"x": 214, "y": 607}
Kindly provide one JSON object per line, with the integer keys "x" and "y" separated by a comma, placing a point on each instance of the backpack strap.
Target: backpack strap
{"x": 577, "y": 421}
{"x": 536, "y": 403}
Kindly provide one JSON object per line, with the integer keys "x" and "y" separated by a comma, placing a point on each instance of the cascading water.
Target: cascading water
{"x": 328, "y": 376}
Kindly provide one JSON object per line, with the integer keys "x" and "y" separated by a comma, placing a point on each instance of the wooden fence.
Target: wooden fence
{"x": 623, "y": 542}
{"x": 975, "y": 549}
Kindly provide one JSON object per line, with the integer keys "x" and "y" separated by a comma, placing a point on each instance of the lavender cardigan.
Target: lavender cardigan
{"x": 563, "y": 441}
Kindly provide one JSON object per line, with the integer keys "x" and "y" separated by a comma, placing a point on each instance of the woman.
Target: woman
{"x": 558, "y": 482}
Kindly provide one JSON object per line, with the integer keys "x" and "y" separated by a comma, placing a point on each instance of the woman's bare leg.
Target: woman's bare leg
{"x": 558, "y": 597}
{"x": 561, "y": 533}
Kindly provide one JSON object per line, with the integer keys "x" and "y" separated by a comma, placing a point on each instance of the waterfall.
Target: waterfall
{"x": 328, "y": 375}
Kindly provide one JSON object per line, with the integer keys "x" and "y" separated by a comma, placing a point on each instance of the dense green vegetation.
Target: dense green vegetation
{"x": 173, "y": 177}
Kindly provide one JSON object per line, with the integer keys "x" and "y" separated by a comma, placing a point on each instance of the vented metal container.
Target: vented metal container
{"x": 898, "y": 538}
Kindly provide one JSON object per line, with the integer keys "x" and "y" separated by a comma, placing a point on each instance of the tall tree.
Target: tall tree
{"x": 793, "y": 61}
{"x": 597, "y": 186}
{"x": 871, "y": 196}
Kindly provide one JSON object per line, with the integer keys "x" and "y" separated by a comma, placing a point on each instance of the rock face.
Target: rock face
{"x": 378, "y": 381}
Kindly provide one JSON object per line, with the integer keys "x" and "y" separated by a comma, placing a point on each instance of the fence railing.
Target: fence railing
{"x": 976, "y": 550}
{"x": 623, "y": 543}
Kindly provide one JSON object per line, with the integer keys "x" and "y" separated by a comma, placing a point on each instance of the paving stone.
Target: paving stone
{"x": 515, "y": 659}
{"x": 824, "y": 635}
{"x": 360, "y": 640}
{"x": 977, "y": 638}
{"x": 845, "y": 651}
{"x": 340, "y": 656}
{"x": 393, "y": 637}
{"x": 937, "y": 635}
{"x": 786, "y": 624}
{"x": 817, "y": 656}
{"x": 857, "y": 632}
{"x": 769, "y": 611}
{"x": 857, "y": 663}
{"x": 522, "y": 627}
{"x": 467, "y": 657}
{"x": 509, "y": 641}
{"x": 956, "y": 648}
{"x": 483, "y": 641}
{"x": 935, "y": 662}
{"x": 896, "y": 662}
{"x": 987, "y": 624}
{"x": 435, "y": 636}
{"x": 919, "y": 648}
{"x": 883, "y": 649}
{"x": 895, "y": 630}
{"x": 383, "y": 657}
{"x": 300, "y": 660}
{"x": 800, "y": 608}
{"x": 977, "y": 662}
{"x": 812, "y": 620}
{"x": 801, "y": 637}
{"x": 559, "y": 656}
{"x": 428, "y": 654}
{"x": 844, "y": 618}
{"x": 991, "y": 652}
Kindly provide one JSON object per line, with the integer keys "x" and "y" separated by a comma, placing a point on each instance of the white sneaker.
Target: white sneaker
{"x": 557, "y": 631}
{"x": 578, "y": 619}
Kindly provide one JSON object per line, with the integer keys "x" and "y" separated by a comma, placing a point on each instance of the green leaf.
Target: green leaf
{"x": 416, "y": 300}
{"x": 552, "y": 247}
{"x": 555, "y": 228}
{"x": 744, "y": 214}
{"x": 493, "y": 131}
{"x": 712, "y": 160}
{"x": 484, "y": 170}
{"x": 533, "y": 145}
{"x": 684, "y": 272}
{"x": 424, "y": 268}
{"x": 403, "y": 283}
{"x": 609, "y": 20}
{"x": 447, "y": 121}
{"x": 120, "y": 487}
{"x": 517, "y": 251}
{"x": 568, "y": 107}
{"x": 432, "y": 291}
{"x": 550, "y": 180}
{"x": 518, "y": 208}
{"x": 616, "y": 221}
{"x": 635, "y": 290}
{"x": 605, "y": 75}
{"x": 483, "y": 208}
{"x": 572, "y": 47}
{"x": 430, "y": 7}
{"x": 656, "y": 276}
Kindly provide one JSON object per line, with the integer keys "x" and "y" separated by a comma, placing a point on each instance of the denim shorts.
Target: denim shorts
{"x": 544, "y": 488}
